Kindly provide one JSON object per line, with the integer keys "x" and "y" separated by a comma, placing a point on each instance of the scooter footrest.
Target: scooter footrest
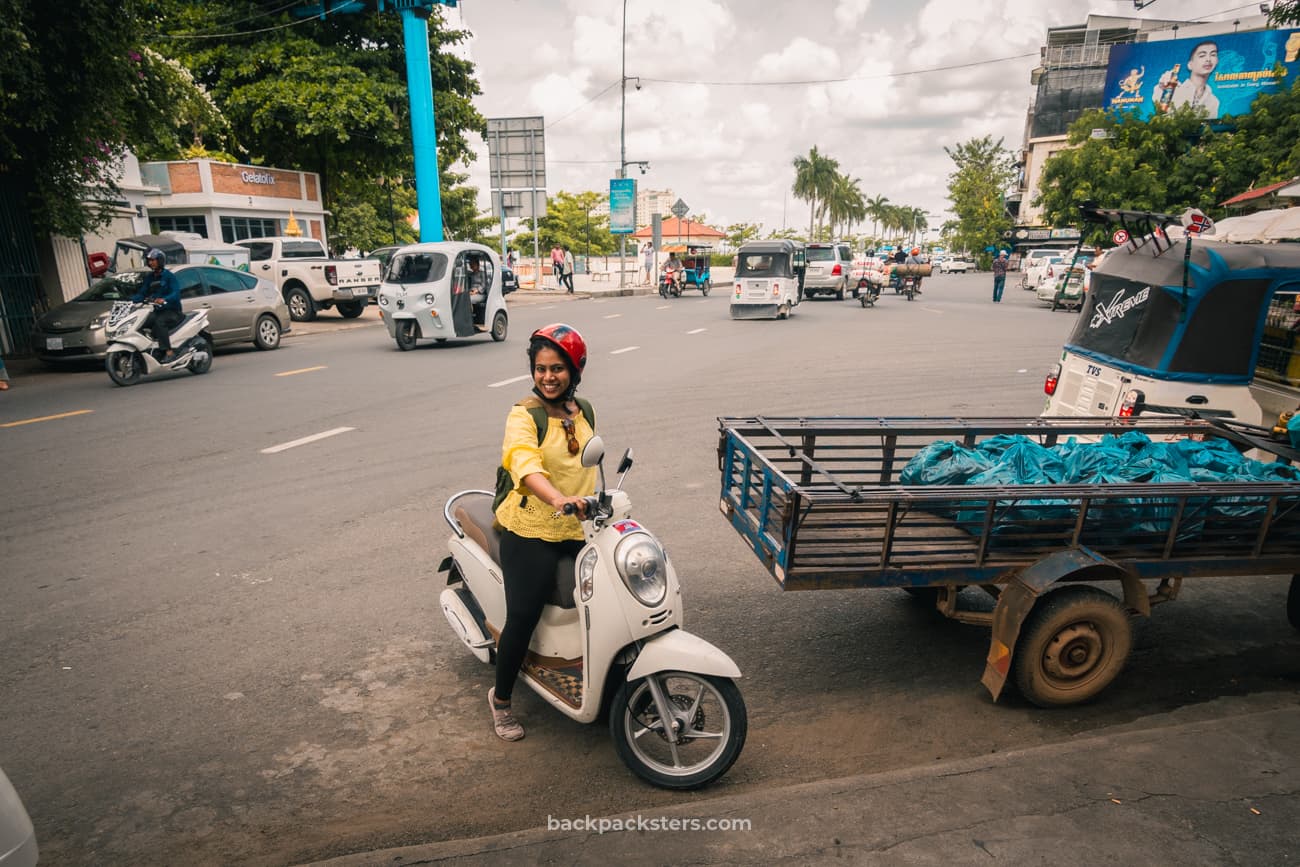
{"x": 563, "y": 681}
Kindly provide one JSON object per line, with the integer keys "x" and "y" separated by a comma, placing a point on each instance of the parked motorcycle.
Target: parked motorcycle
{"x": 133, "y": 354}
{"x": 610, "y": 640}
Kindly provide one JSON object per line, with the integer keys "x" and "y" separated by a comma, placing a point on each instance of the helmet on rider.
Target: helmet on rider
{"x": 916, "y": 251}
{"x": 565, "y": 340}
{"x": 155, "y": 253}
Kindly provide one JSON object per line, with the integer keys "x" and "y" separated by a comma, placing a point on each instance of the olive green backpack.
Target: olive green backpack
{"x": 535, "y": 407}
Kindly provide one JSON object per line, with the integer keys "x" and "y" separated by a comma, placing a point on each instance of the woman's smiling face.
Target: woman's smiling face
{"x": 550, "y": 373}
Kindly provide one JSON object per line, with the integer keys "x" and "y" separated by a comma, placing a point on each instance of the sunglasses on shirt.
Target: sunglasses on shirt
{"x": 567, "y": 424}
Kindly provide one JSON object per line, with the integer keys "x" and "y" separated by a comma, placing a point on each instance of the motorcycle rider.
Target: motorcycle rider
{"x": 160, "y": 288}
{"x": 535, "y": 534}
{"x": 914, "y": 258}
{"x": 673, "y": 268}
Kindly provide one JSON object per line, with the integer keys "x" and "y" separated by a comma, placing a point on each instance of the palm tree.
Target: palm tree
{"x": 813, "y": 177}
{"x": 845, "y": 203}
{"x": 876, "y": 210}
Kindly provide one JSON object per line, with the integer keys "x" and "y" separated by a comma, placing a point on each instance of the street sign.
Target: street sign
{"x": 680, "y": 209}
{"x": 622, "y": 206}
{"x": 1120, "y": 237}
{"x": 519, "y": 204}
{"x": 516, "y": 153}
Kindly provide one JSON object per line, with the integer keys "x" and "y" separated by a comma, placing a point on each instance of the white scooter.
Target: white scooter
{"x": 611, "y": 642}
{"x": 131, "y": 352}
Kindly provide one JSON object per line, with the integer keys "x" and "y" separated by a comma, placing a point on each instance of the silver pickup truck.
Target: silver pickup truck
{"x": 309, "y": 280}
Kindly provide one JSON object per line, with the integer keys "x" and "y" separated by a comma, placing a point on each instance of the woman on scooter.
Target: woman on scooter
{"x": 548, "y": 475}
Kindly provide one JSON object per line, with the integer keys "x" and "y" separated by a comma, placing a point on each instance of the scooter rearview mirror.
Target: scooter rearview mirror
{"x": 593, "y": 452}
{"x": 625, "y": 464}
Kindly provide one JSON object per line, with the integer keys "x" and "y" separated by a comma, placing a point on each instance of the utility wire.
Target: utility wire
{"x": 611, "y": 86}
{"x": 244, "y": 32}
{"x": 807, "y": 81}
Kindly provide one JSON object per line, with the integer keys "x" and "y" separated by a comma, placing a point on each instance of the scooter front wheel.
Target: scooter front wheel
{"x": 124, "y": 367}
{"x": 405, "y": 335}
{"x": 701, "y": 741}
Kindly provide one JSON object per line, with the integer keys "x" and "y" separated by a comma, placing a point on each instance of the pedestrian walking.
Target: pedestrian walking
{"x": 999, "y": 276}
{"x": 557, "y": 264}
{"x": 566, "y": 269}
{"x": 648, "y": 263}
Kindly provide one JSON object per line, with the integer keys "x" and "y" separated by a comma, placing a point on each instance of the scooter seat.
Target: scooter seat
{"x": 479, "y": 523}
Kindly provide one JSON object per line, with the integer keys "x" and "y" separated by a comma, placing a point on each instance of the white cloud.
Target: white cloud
{"x": 727, "y": 150}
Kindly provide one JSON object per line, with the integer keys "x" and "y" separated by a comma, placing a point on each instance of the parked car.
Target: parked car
{"x": 1036, "y": 272}
{"x": 828, "y": 267}
{"x": 242, "y": 308}
{"x": 382, "y": 255}
{"x": 956, "y": 263}
{"x": 1063, "y": 285}
{"x": 509, "y": 282}
{"x": 17, "y": 837}
{"x": 1036, "y": 257}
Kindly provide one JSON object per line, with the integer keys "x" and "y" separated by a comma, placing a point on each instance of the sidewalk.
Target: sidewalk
{"x": 1206, "y": 791}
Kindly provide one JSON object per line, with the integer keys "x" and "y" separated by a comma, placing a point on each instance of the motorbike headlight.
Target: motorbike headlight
{"x": 587, "y": 574}
{"x": 641, "y": 565}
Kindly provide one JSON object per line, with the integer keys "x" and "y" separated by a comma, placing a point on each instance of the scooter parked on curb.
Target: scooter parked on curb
{"x": 133, "y": 354}
{"x": 610, "y": 640}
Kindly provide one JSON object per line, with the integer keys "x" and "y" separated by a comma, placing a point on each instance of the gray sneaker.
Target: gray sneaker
{"x": 503, "y": 721}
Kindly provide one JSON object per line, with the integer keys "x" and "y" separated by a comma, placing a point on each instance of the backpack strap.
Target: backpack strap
{"x": 537, "y": 410}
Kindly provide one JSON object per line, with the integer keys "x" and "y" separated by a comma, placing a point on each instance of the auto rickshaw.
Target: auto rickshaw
{"x": 1172, "y": 322}
{"x": 695, "y": 264}
{"x": 441, "y": 290}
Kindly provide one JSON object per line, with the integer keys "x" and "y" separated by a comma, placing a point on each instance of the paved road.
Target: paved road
{"x": 223, "y": 655}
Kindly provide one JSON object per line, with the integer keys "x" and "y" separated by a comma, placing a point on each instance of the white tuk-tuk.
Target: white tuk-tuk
{"x": 1170, "y": 324}
{"x": 768, "y": 281}
{"x": 440, "y": 290}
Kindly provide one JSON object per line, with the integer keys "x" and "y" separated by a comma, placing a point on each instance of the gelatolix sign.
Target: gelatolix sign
{"x": 258, "y": 178}
{"x": 1218, "y": 76}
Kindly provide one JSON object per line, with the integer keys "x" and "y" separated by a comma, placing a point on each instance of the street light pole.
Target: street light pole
{"x": 622, "y": 147}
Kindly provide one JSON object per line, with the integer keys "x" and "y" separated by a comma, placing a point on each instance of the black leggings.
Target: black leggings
{"x": 528, "y": 568}
{"x": 160, "y": 323}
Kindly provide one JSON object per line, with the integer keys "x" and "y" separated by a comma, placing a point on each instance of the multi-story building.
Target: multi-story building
{"x": 647, "y": 202}
{"x": 1070, "y": 79}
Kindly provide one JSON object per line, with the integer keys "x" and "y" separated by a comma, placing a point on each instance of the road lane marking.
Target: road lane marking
{"x": 624, "y": 349}
{"x": 664, "y": 307}
{"x": 932, "y": 310}
{"x": 46, "y": 418}
{"x": 311, "y": 439}
{"x": 301, "y": 370}
{"x": 697, "y": 331}
{"x": 509, "y": 381}
{"x": 613, "y": 315}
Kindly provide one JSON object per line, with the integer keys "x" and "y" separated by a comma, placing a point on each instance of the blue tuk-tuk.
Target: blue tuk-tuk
{"x": 695, "y": 262}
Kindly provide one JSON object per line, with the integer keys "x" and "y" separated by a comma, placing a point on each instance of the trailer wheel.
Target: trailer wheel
{"x": 1293, "y": 602}
{"x": 1074, "y": 643}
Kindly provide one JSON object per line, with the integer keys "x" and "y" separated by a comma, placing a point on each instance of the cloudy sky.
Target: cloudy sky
{"x": 882, "y": 87}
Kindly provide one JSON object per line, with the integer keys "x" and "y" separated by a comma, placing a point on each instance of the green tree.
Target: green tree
{"x": 330, "y": 97}
{"x": 77, "y": 88}
{"x": 984, "y": 170}
{"x": 1119, "y": 163}
{"x": 742, "y": 233}
{"x": 876, "y": 211}
{"x": 814, "y": 176}
{"x": 845, "y": 203}
{"x": 569, "y": 222}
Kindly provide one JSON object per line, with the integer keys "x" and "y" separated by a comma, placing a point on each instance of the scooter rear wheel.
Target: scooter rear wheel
{"x": 711, "y": 726}
{"x": 124, "y": 367}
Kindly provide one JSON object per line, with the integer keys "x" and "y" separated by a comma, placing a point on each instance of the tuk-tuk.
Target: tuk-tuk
{"x": 768, "y": 281}
{"x": 1171, "y": 323}
{"x": 695, "y": 266}
{"x": 441, "y": 290}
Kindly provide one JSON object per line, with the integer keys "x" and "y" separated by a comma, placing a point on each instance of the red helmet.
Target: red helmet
{"x": 567, "y": 341}
{"x": 916, "y": 251}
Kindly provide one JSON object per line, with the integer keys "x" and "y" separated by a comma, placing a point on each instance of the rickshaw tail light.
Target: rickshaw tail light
{"x": 1132, "y": 403}
{"x": 1053, "y": 377}
{"x": 776, "y": 290}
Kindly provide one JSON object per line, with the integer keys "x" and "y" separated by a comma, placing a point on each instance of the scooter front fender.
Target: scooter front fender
{"x": 130, "y": 342}
{"x": 678, "y": 650}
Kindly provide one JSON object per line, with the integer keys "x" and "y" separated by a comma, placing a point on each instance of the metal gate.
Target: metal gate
{"x": 20, "y": 286}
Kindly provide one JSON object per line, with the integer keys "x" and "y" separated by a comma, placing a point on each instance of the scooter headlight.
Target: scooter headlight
{"x": 587, "y": 574}
{"x": 643, "y": 568}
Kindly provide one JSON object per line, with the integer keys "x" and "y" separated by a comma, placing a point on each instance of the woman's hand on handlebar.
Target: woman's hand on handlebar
{"x": 573, "y": 506}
